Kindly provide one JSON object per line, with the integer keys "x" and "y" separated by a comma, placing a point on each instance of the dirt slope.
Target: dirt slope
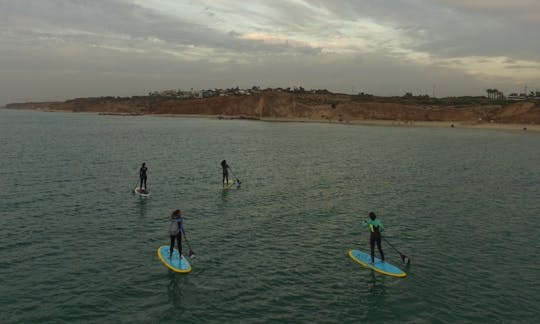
{"x": 283, "y": 105}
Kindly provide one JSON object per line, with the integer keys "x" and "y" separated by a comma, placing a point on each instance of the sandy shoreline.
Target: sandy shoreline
{"x": 369, "y": 122}
{"x": 397, "y": 123}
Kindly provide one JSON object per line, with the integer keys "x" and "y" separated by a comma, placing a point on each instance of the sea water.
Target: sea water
{"x": 76, "y": 244}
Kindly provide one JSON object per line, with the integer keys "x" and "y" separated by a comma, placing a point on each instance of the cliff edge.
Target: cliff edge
{"x": 305, "y": 106}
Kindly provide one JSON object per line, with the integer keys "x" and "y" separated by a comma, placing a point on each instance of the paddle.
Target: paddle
{"x": 137, "y": 186}
{"x": 405, "y": 259}
{"x": 191, "y": 254}
{"x": 237, "y": 180}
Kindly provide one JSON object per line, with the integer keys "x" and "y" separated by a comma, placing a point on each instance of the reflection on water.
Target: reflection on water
{"x": 142, "y": 206}
{"x": 376, "y": 284}
{"x": 224, "y": 194}
{"x": 174, "y": 292}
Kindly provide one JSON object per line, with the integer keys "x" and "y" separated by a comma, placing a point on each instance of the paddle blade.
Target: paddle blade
{"x": 191, "y": 254}
{"x": 405, "y": 259}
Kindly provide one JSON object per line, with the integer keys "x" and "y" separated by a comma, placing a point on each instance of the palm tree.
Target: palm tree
{"x": 495, "y": 94}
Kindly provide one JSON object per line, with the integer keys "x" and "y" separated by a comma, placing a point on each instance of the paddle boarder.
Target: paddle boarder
{"x": 143, "y": 177}
{"x": 225, "y": 168}
{"x": 375, "y": 229}
{"x": 176, "y": 230}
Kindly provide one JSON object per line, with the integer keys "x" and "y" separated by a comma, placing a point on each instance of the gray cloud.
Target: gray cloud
{"x": 58, "y": 49}
{"x": 92, "y": 22}
{"x": 454, "y": 27}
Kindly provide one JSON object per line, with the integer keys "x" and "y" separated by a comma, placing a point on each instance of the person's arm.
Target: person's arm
{"x": 365, "y": 223}
{"x": 181, "y": 225}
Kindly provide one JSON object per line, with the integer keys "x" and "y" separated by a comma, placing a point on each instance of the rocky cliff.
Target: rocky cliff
{"x": 305, "y": 106}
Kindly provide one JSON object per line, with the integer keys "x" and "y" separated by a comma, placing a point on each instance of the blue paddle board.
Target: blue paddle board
{"x": 175, "y": 264}
{"x": 381, "y": 267}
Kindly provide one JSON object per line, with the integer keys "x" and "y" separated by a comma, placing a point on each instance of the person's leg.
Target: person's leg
{"x": 145, "y": 183}
{"x": 171, "y": 250}
{"x": 372, "y": 246}
{"x": 379, "y": 246}
{"x": 140, "y": 184}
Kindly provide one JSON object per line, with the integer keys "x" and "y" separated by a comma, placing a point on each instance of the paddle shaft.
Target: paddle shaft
{"x": 189, "y": 246}
{"x": 403, "y": 256}
{"x": 390, "y": 244}
{"x": 232, "y": 173}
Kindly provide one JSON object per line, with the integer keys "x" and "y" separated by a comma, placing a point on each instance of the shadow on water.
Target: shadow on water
{"x": 225, "y": 192}
{"x": 142, "y": 205}
{"x": 224, "y": 195}
{"x": 376, "y": 295}
{"x": 377, "y": 287}
{"x": 174, "y": 292}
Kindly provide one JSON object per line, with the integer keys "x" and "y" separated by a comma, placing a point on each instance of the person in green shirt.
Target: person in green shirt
{"x": 375, "y": 229}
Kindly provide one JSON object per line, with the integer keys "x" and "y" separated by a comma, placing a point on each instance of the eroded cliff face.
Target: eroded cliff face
{"x": 283, "y": 105}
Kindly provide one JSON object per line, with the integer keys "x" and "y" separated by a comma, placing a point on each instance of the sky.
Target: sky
{"x": 63, "y": 49}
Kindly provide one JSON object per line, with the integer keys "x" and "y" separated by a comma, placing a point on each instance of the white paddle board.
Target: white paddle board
{"x": 143, "y": 193}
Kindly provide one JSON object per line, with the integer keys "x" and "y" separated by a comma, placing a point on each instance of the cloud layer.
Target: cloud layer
{"x": 59, "y": 49}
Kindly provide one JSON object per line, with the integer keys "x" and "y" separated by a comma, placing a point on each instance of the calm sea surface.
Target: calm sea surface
{"x": 77, "y": 245}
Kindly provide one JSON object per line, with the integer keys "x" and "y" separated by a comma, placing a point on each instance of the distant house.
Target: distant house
{"x": 184, "y": 94}
{"x": 198, "y": 94}
{"x": 208, "y": 93}
{"x": 169, "y": 93}
{"x": 515, "y": 96}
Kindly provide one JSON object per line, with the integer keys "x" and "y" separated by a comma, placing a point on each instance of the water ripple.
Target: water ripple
{"x": 77, "y": 245}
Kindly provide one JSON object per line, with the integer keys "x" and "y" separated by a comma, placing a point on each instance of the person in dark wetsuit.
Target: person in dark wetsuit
{"x": 375, "y": 228}
{"x": 226, "y": 168}
{"x": 176, "y": 230}
{"x": 142, "y": 176}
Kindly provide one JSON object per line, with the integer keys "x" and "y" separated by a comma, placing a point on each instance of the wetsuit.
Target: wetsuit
{"x": 225, "y": 167}
{"x": 375, "y": 228}
{"x": 176, "y": 229}
{"x": 142, "y": 175}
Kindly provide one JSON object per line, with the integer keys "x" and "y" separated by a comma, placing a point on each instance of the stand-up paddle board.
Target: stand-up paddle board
{"x": 142, "y": 193}
{"x": 229, "y": 184}
{"x": 381, "y": 267}
{"x": 175, "y": 264}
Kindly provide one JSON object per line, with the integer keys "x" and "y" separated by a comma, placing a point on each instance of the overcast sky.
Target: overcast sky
{"x": 62, "y": 49}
